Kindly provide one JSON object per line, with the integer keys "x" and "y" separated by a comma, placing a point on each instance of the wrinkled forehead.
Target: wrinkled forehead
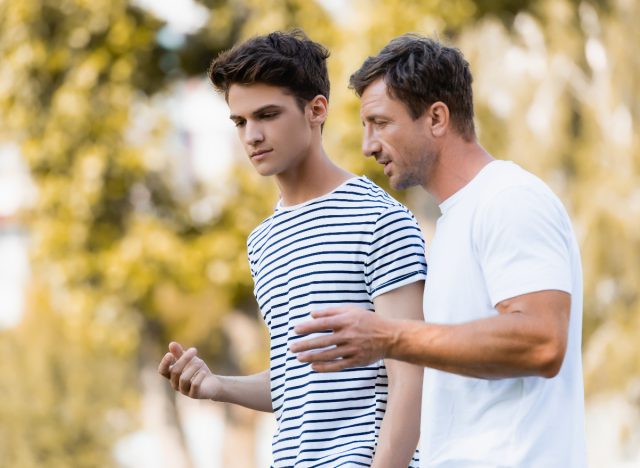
{"x": 377, "y": 98}
{"x": 375, "y": 91}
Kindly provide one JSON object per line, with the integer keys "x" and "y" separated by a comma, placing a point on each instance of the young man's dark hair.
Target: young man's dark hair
{"x": 420, "y": 71}
{"x": 287, "y": 60}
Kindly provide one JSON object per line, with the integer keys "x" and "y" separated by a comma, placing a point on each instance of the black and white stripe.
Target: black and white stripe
{"x": 346, "y": 247}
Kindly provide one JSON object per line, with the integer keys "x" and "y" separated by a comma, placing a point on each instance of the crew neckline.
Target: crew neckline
{"x": 281, "y": 207}
{"x": 452, "y": 200}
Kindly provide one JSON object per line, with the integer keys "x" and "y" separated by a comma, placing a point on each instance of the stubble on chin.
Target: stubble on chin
{"x": 406, "y": 181}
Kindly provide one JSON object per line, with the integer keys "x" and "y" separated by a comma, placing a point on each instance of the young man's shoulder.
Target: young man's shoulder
{"x": 356, "y": 193}
{"x": 371, "y": 194}
{"x": 359, "y": 200}
{"x": 393, "y": 209}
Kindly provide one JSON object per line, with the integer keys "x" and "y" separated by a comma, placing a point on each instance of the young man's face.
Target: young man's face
{"x": 275, "y": 132}
{"x": 397, "y": 141}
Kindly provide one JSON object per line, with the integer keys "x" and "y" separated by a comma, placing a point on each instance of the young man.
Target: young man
{"x": 334, "y": 239}
{"x": 503, "y": 380}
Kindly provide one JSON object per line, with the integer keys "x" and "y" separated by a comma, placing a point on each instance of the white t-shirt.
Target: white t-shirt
{"x": 503, "y": 235}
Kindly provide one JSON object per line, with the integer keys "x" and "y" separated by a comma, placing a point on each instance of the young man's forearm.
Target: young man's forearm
{"x": 251, "y": 391}
{"x": 400, "y": 429}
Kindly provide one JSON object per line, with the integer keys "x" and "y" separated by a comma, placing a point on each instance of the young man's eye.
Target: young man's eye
{"x": 239, "y": 123}
{"x": 269, "y": 115}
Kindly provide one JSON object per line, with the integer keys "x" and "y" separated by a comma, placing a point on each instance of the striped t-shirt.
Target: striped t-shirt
{"x": 346, "y": 247}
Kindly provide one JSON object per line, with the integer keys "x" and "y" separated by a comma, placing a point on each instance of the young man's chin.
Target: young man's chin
{"x": 266, "y": 171}
{"x": 271, "y": 168}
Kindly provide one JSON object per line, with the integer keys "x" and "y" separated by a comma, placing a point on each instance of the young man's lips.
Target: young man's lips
{"x": 260, "y": 154}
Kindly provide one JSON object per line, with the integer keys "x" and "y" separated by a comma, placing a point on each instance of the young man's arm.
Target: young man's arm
{"x": 190, "y": 376}
{"x": 400, "y": 429}
{"x": 527, "y": 338}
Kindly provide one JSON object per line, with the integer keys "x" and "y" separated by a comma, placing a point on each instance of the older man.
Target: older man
{"x": 503, "y": 297}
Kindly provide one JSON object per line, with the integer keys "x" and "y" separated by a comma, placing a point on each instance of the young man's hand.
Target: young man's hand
{"x": 188, "y": 373}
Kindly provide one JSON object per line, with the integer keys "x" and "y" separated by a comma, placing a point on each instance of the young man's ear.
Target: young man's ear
{"x": 438, "y": 118}
{"x": 318, "y": 107}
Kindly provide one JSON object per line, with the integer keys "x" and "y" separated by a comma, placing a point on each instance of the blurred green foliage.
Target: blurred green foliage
{"x": 119, "y": 267}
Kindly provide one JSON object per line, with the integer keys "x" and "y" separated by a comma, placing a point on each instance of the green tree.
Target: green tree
{"x": 120, "y": 266}
{"x": 106, "y": 265}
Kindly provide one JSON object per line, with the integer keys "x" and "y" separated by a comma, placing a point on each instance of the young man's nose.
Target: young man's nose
{"x": 253, "y": 134}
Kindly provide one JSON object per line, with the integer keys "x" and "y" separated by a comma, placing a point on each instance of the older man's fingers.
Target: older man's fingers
{"x": 315, "y": 343}
{"x": 334, "y": 366}
{"x": 328, "y": 312}
{"x": 318, "y": 325}
{"x": 331, "y": 354}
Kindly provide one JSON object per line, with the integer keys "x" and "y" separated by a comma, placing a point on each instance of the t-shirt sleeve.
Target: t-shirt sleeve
{"x": 521, "y": 237}
{"x": 396, "y": 253}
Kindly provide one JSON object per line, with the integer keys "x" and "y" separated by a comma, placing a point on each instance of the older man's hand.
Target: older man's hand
{"x": 359, "y": 337}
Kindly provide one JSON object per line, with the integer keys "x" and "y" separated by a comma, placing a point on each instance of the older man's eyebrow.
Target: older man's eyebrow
{"x": 372, "y": 118}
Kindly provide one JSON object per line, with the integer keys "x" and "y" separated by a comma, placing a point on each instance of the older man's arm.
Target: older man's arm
{"x": 527, "y": 337}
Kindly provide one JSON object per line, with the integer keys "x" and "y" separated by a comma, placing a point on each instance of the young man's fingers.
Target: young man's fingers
{"x": 187, "y": 374}
{"x": 176, "y": 349}
{"x": 196, "y": 382}
{"x": 167, "y": 361}
{"x": 185, "y": 359}
{"x": 177, "y": 368}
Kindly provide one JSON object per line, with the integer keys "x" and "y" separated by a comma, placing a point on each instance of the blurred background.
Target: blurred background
{"x": 125, "y": 202}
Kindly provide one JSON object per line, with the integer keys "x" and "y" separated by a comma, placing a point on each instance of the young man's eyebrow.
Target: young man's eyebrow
{"x": 258, "y": 111}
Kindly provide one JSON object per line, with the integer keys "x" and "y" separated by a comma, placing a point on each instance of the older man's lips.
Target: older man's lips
{"x": 387, "y": 166}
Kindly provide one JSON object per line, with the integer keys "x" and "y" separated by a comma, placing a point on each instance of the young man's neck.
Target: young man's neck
{"x": 459, "y": 162}
{"x": 314, "y": 177}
